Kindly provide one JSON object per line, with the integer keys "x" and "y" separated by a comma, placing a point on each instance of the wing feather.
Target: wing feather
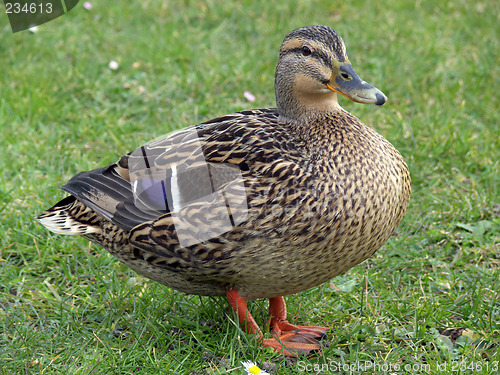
{"x": 194, "y": 162}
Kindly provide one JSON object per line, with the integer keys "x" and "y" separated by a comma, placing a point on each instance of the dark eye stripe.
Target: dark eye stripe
{"x": 317, "y": 54}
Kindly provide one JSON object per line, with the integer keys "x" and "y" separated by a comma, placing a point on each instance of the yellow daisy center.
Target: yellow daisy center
{"x": 254, "y": 370}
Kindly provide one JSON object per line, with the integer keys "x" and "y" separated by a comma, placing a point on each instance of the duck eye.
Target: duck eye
{"x": 306, "y": 51}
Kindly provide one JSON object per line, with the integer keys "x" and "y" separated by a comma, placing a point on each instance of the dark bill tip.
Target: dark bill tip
{"x": 381, "y": 99}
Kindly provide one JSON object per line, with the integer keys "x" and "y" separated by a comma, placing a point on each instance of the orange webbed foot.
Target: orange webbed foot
{"x": 294, "y": 338}
{"x": 289, "y": 339}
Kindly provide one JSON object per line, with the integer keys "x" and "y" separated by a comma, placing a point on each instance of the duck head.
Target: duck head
{"x": 313, "y": 67}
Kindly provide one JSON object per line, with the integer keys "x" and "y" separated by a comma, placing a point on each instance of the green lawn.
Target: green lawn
{"x": 429, "y": 300}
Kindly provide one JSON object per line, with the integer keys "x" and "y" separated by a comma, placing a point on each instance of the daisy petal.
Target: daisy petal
{"x": 249, "y": 96}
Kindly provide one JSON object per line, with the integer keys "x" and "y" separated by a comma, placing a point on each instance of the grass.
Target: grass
{"x": 428, "y": 302}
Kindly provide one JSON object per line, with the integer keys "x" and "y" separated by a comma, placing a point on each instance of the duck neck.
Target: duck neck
{"x": 300, "y": 107}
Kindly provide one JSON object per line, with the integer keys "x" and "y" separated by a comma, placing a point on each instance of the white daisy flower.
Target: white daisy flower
{"x": 253, "y": 369}
{"x": 113, "y": 65}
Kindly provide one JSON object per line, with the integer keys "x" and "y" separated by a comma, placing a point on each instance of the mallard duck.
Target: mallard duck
{"x": 256, "y": 204}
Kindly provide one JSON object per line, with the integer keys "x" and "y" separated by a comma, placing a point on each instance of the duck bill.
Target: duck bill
{"x": 346, "y": 82}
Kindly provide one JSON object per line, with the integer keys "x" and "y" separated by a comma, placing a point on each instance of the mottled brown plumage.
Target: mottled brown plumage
{"x": 321, "y": 191}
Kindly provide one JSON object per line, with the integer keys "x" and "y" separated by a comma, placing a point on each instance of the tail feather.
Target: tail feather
{"x": 67, "y": 217}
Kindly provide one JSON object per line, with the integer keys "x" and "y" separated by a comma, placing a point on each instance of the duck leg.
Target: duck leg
{"x": 239, "y": 305}
{"x": 289, "y": 339}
